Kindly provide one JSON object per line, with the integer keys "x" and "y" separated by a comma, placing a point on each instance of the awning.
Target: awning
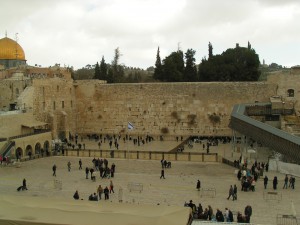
{"x": 33, "y": 124}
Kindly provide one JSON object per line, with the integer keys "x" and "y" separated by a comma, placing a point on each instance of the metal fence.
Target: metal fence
{"x": 286, "y": 220}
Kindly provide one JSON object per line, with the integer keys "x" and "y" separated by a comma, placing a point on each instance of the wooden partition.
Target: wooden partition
{"x": 145, "y": 155}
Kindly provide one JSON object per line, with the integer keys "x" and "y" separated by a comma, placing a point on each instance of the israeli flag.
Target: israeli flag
{"x": 130, "y": 126}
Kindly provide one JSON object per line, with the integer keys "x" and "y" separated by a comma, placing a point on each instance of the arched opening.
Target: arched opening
{"x": 19, "y": 153}
{"x": 290, "y": 93}
{"x": 37, "y": 148}
{"x": 17, "y": 92}
{"x": 46, "y": 148}
{"x": 28, "y": 151}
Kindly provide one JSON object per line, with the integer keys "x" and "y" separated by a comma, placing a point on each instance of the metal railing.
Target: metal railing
{"x": 6, "y": 148}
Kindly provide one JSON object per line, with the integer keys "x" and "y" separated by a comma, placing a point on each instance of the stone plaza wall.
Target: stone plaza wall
{"x": 163, "y": 108}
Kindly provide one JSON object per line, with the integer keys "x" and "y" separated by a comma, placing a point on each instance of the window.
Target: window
{"x": 71, "y": 103}
{"x": 57, "y": 88}
{"x": 290, "y": 93}
{"x": 62, "y": 104}
{"x": 53, "y": 105}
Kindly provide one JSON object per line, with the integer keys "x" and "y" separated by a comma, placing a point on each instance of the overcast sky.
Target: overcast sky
{"x": 79, "y": 32}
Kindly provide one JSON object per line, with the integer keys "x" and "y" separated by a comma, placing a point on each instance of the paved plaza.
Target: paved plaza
{"x": 178, "y": 187}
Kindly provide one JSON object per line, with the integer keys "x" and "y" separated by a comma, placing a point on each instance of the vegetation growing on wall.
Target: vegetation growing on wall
{"x": 164, "y": 130}
{"x": 175, "y": 115}
{"x": 192, "y": 119}
{"x": 214, "y": 119}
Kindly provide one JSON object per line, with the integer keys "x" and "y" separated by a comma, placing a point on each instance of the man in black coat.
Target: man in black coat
{"x": 248, "y": 213}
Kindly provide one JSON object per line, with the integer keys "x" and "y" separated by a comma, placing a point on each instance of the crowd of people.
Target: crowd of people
{"x": 198, "y": 212}
{"x": 249, "y": 177}
{"x": 112, "y": 141}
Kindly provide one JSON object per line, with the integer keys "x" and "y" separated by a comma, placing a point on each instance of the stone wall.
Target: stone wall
{"x": 92, "y": 106}
{"x": 286, "y": 82}
{"x": 54, "y": 103}
{"x": 163, "y": 108}
{"x": 10, "y": 90}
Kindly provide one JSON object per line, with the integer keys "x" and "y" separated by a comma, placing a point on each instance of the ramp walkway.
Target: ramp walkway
{"x": 278, "y": 140}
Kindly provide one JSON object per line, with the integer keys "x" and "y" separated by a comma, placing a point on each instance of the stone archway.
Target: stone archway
{"x": 28, "y": 151}
{"x": 37, "y": 149}
{"x": 46, "y": 148}
{"x": 19, "y": 153}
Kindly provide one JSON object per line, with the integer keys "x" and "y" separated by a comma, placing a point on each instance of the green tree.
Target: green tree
{"x": 103, "y": 69}
{"x": 173, "y": 67}
{"x": 158, "y": 67}
{"x": 97, "y": 71}
{"x": 238, "y": 64}
{"x": 116, "y": 71}
{"x": 210, "y": 50}
{"x": 190, "y": 70}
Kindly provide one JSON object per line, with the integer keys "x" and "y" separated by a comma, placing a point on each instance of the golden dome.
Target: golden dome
{"x": 10, "y": 49}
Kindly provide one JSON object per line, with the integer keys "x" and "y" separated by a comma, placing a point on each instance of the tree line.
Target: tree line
{"x": 234, "y": 64}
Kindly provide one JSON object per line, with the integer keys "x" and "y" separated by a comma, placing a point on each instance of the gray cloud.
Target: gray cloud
{"x": 76, "y": 32}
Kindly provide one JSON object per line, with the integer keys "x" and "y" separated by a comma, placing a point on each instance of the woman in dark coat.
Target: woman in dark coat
{"x": 275, "y": 182}
{"x": 198, "y": 186}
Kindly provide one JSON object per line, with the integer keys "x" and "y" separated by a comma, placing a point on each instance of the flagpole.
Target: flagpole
{"x": 129, "y": 127}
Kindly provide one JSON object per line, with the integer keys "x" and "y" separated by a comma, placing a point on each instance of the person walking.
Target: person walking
{"x": 24, "y": 184}
{"x": 286, "y": 180}
{"x": 69, "y": 166}
{"x": 80, "y": 164}
{"x": 234, "y": 192}
{"x": 230, "y": 193}
{"x": 162, "y": 174}
{"x": 54, "y": 170}
{"x": 198, "y": 186}
{"x": 87, "y": 170}
{"x": 106, "y": 193}
{"x": 111, "y": 187}
{"x": 99, "y": 191}
{"x": 266, "y": 182}
{"x": 293, "y": 180}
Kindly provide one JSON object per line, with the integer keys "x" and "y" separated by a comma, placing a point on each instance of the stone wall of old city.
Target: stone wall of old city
{"x": 10, "y": 89}
{"x": 92, "y": 106}
{"x": 163, "y": 108}
{"x": 286, "y": 82}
